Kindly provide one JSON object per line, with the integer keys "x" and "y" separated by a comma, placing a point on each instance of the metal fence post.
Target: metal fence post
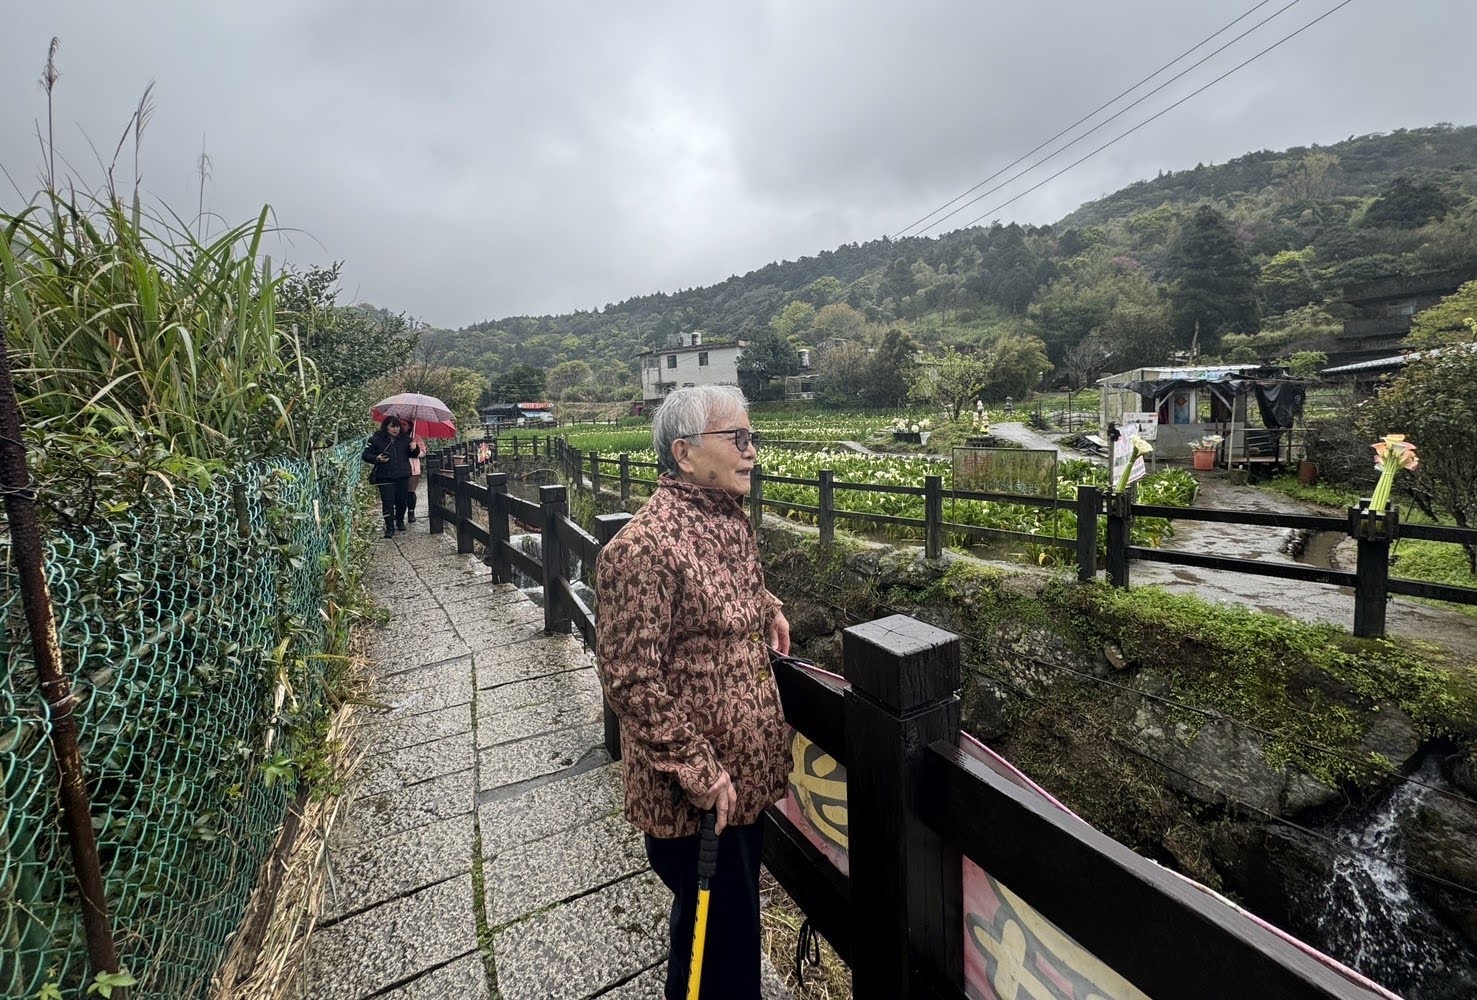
{"x": 497, "y": 526}
{"x": 826, "y": 520}
{"x": 1375, "y": 530}
{"x": 463, "y": 497}
{"x": 907, "y": 884}
{"x": 1120, "y": 527}
{"x": 554, "y": 504}
{"x": 1089, "y": 506}
{"x": 933, "y": 516}
{"x": 606, "y": 527}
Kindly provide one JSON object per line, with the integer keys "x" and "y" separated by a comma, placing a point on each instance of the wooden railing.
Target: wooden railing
{"x": 1103, "y": 541}
{"x": 918, "y": 804}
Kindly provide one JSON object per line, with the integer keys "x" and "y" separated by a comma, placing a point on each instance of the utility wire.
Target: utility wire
{"x": 1092, "y": 114}
{"x": 1152, "y": 118}
{"x": 1116, "y": 115}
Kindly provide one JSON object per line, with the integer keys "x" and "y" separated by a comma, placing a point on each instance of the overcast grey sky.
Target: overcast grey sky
{"x": 470, "y": 159}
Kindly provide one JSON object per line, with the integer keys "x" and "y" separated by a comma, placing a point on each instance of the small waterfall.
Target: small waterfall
{"x": 1369, "y": 918}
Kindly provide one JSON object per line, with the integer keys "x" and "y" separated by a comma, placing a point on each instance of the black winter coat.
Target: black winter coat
{"x": 398, "y": 448}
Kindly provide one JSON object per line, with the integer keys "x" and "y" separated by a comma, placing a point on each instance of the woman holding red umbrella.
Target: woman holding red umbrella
{"x": 389, "y": 453}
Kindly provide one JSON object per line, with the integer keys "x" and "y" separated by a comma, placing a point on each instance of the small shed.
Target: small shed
{"x": 1255, "y": 409}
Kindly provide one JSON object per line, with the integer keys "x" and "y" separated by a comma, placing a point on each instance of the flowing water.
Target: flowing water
{"x": 1371, "y": 921}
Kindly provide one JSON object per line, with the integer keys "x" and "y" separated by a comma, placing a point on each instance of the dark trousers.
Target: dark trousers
{"x": 393, "y": 500}
{"x": 731, "y": 948}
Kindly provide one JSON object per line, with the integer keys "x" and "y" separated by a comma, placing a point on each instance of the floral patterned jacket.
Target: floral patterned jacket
{"x": 682, "y": 651}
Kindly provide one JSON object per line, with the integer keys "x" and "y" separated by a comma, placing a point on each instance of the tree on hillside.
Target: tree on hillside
{"x": 890, "y": 370}
{"x": 838, "y": 320}
{"x": 1434, "y": 404}
{"x": 951, "y": 381}
{"x": 1067, "y": 311}
{"x": 842, "y": 374}
{"x": 1447, "y": 322}
{"x": 1407, "y": 204}
{"x": 1287, "y": 281}
{"x": 522, "y": 383}
{"x": 566, "y": 378}
{"x": 768, "y": 356}
{"x": 1214, "y": 289}
{"x": 350, "y": 344}
{"x": 795, "y": 321}
{"x": 1085, "y": 363}
{"x": 1017, "y": 364}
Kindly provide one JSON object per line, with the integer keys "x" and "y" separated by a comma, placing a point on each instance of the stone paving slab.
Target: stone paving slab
{"x": 455, "y": 671}
{"x": 464, "y": 979}
{"x": 564, "y": 686}
{"x": 404, "y": 809}
{"x": 650, "y": 985}
{"x": 407, "y": 766}
{"x": 535, "y": 720}
{"x": 510, "y": 618}
{"x": 394, "y": 654}
{"x": 536, "y": 756}
{"x": 366, "y": 873}
{"x": 455, "y": 688}
{"x": 573, "y": 951}
{"x": 531, "y": 658}
{"x": 549, "y": 807}
{"x": 385, "y": 731}
{"x": 532, "y": 876}
{"x": 361, "y": 955}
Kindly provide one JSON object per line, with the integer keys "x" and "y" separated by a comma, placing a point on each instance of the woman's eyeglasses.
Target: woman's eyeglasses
{"x": 742, "y": 437}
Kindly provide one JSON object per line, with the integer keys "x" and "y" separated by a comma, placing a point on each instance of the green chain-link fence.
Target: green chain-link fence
{"x": 189, "y": 631}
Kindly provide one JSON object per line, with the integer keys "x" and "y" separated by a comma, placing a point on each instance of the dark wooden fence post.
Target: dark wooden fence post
{"x": 827, "y": 502}
{"x": 554, "y": 503}
{"x": 1120, "y": 525}
{"x": 497, "y": 526}
{"x": 625, "y": 467}
{"x": 756, "y": 497}
{"x": 515, "y": 446}
{"x": 933, "y": 516}
{"x": 1089, "y": 506}
{"x": 1375, "y": 530}
{"x": 906, "y": 882}
{"x": 606, "y": 526}
{"x": 435, "y": 497}
{"x": 463, "y": 509}
{"x": 595, "y": 472}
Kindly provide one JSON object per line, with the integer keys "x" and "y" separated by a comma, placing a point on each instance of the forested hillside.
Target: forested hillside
{"x": 1252, "y": 253}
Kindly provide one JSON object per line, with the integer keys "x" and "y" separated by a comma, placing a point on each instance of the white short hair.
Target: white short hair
{"x": 686, "y": 412}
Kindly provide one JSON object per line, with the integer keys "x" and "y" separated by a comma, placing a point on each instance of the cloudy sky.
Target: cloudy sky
{"x": 472, "y": 159}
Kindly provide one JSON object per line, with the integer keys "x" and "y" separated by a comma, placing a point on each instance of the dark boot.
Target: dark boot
{"x": 410, "y": 508}
{"x": 399, "y": 525}
{"x": 389, "y": 529}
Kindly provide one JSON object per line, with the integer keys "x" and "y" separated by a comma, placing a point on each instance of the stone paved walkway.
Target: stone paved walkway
{"x": 483, "y": 854}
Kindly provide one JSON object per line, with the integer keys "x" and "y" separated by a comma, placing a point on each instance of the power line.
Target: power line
{"x": 1160, "y": 114}
{"x": 1093, "y": 113}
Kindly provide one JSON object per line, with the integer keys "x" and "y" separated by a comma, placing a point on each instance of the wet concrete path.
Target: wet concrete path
{"x": 1317, "y": 602}
{"x": 482, "y": 853}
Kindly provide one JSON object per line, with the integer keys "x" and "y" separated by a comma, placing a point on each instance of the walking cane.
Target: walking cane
{"x": 707, "y": 867}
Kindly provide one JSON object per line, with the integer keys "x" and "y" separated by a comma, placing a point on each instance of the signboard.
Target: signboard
{"x": 1145, "y": 425}
{"x": 1122, "y": 456}
{"x": 1019, "y": 471}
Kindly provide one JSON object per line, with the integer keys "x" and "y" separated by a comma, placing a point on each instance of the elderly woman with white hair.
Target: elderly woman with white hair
{"x": 685, "y": 626}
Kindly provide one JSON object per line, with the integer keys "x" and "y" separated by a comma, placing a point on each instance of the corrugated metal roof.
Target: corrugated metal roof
{"x": 1393, "y": 361}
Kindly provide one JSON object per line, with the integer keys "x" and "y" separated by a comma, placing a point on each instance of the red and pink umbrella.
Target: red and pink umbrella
{"x": 433, "y": 418}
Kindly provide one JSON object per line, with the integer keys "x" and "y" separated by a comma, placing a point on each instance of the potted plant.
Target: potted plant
{"x": 1202, "y": 451}
{"x": 910, "y": 432}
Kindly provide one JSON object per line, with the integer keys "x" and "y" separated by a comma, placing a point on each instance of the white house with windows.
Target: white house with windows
{"x": 688, "y": 362}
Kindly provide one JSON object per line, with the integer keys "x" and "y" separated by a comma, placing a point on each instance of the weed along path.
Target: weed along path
{"x": 1317, "y": 602}
{"x": 481, "y": 852}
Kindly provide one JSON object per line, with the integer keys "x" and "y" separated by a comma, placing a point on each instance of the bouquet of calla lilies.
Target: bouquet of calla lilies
{"x": 1391, "y": 454}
